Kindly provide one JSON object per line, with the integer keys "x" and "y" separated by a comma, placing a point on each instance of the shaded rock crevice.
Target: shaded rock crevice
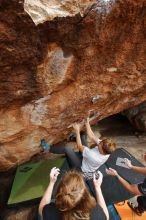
{"x": 137, "y": 116}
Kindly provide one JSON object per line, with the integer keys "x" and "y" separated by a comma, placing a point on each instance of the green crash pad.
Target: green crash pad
{"x": 31, "y": 181}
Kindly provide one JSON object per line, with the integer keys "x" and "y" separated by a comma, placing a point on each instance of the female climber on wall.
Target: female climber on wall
{"x": 89, "y": 160}
{"x": 72, "y": 199}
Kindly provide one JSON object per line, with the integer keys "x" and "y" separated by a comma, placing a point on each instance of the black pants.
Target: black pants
{"x": 75, "y": 159}
{"x": 141, "y": 203}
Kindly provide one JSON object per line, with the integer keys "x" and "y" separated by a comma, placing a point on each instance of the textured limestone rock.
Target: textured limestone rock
{"x": 56, "y": 70}
{"x": 137, "y": 116}
{"x": 55, "y": 73}
{"x": 44, "y": 10}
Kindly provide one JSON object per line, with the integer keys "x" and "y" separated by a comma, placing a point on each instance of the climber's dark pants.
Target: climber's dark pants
{"x": 75, "y": 159}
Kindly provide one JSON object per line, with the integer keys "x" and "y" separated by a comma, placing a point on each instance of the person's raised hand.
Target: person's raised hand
{"x": 54, "y": 174}
{"x": 87, "y": 121}
{"x": 111, "y": 172}
{"x": 128, "y": 162}
{"x": 97, "y": 180}
{"x": 76, "y": 127}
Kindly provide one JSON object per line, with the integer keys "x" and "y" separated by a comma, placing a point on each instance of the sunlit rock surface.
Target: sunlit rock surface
{"x": 44, "y": 10}
{"x": 55, "y": 73}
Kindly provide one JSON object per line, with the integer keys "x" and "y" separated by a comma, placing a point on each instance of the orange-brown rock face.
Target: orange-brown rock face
{"x": 53, "y": 74}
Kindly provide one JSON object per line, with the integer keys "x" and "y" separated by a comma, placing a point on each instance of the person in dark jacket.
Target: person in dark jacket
{"x": 72, "y": 199}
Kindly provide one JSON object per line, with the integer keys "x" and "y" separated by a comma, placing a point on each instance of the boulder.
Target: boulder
{"x": 81, "y": 57}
